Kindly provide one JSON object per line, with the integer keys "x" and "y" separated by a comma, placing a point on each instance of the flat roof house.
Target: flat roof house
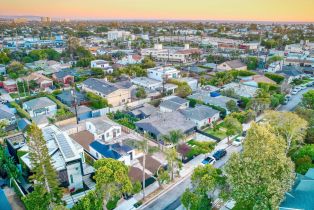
{"x": 67, "y": 157}
{"x": 161, "y": 124}
{"x": 102, "y": 64}
{"x": 146, "y": 82}
{"x": 116, "y": 93}
{"x": 40, "y": 106}
{"x": 163, "y": 73}
{"x": 117, "y": 151}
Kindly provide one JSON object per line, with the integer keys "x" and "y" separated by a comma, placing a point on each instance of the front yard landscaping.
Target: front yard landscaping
{"x": 219, "y": 131}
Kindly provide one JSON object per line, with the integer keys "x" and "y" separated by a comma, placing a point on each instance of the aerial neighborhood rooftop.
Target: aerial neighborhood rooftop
{"x": 140, "y": 114}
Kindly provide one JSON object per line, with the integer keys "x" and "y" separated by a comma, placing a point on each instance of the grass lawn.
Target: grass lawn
{"x": 220, "y": 133}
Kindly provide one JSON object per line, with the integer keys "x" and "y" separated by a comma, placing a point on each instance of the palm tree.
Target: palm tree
{"x": 174, "y": 163}
{"x": 146, "y": 149}
{"x": 173, "y": 137}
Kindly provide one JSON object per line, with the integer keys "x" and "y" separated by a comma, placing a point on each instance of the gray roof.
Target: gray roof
{"x": 5, "y": 113}
{"x": 146, "y": 109}
{"x": 163, "y": 123}
{"x": 199, "y": 112}
{"x": 105, "y": 87}
{"x": 235, "y": 63}
{"x": 207, "y": 99}
{"x": 39, "y": 103}
{"x": 290, "y": 71}
{"x": 173, "y": 103}
{"x": 102, "y": 124}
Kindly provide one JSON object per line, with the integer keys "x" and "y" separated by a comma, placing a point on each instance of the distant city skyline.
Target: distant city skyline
{"x": 232, "y": 10}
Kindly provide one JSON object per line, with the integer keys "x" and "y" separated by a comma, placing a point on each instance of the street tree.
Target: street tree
{"x": 288, "y": 125}
{"x": 44, "y": 175}
{"x": 308, "y": 99}
{"x": 232, "y": 106}
{"x": 260, "y": 102}
{"x": 261, "y": 175}
{"x": 233, "y": 126}
{"x": 112, "y": 179}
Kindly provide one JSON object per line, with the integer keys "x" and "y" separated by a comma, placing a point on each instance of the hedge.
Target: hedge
{"x": 20, "y": 111}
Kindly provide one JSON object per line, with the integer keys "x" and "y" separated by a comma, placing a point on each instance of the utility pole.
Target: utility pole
{"x": 75, "y": 107}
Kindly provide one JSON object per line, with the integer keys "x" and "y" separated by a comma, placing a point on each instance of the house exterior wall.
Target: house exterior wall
{"x": 49, "y": 110}
{"x": 113, "y": 132}
{"x": 74, "y": 171}
{"x": 205, "y": 122}
{"x": 159, "y": 75}
{"x": 119, "y": 97}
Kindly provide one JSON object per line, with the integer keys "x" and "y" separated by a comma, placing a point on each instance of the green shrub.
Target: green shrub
{"x": 20, "y": 111}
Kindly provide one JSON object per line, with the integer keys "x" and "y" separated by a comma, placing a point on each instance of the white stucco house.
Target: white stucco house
{"x": 101, "y": 64}
{"x": 163, "y": 73}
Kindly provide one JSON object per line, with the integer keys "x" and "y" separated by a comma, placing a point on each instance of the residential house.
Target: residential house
{"x": 201, "y": 115}
{"x": 193, "y": 83}
{"x": 117, "y": 151}
{"x": 116, "y": 93}
{"x": 14, "y": 143}
{"x": 163, "y": 73}
{"x": 42, "y": 81}
{"x": 173, "y": 103}
{"x": 68, "y": 97}
{"x": 102, "y": 64}
{"x": 130, "y": 59}
{"x": 40, "y": 106}
{"x": 6, "y": 114}
{"x": 290, "y": 73}
{"x": 103, "y": 129}
{"x": 64, "y": 76}
{"x": 300, "y": 197}
{"x": 3, "y": 70}
{"x": 255, "y": 80}
{"x": 144, "y": 111}
{"x": 118, "y": 35}
{"x": 160, "y": 124}
{"x": 230, "y": 65}
{"x": 147, "y": 83}
{"x": 274, "y": 67}
{"x": 173, "y": 54}
{"x": 10, "y": 86}
{"x": 211, "y": 99}
{"x": 67, "y": 157}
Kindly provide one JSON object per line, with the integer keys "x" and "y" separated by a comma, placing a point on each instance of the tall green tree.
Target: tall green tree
{"x": 232, "y": 106}
{"x": 111, "y": 179}
{"x": 308, "y": 99}
{"x": 287, "y": 125}
{"x": 44, "y": 175}
{"x": 205, "y": 180}
{"x": 262, "y": 174}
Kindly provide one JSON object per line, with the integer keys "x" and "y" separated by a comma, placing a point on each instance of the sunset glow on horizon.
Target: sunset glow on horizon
{"x": 250, "y": 10}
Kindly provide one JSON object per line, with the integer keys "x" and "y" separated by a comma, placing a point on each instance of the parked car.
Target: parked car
{"x": 285, "y": 101}
{"x": 294, "y": 92}
{"x": 209, "y": 160}
{"x": 303, "y": 87}
{"x": 310, "y": 84}
{"x": 288, "y": 97}
{"x": 219, "y": 154}
{"x": 297, "y": 88}
{"x": 238, "y": 141}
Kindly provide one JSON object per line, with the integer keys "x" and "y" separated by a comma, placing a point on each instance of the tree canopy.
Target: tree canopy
{"x": 261, "y": 175}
